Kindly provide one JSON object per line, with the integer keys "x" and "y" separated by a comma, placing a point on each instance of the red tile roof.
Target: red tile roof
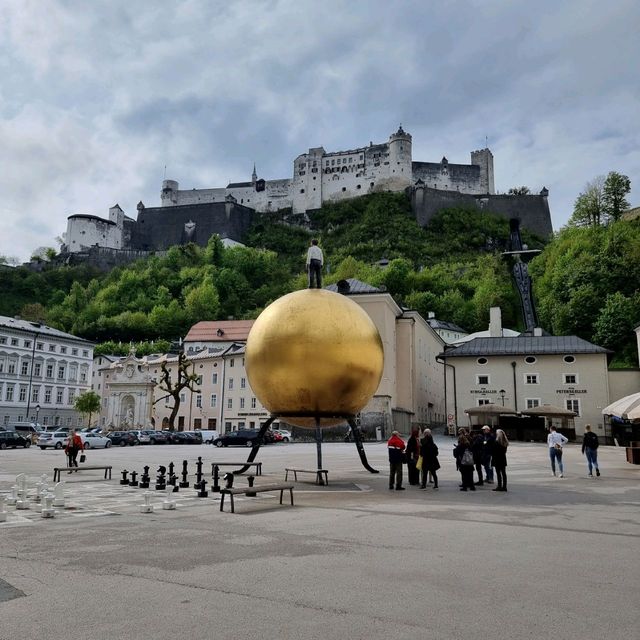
{"x": 220, "y": 331}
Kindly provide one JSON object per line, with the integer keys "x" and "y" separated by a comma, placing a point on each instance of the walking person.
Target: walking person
{"x": 413, "y": 453}
{"x": 590, "y": 446}
{"x": 488, "y": 440}
{"x": 315, "y": 260}
{"x": 464, "y": 462}
{"x": 499, "y": 459}
{"x": 396, "y": 448}
{"x": 555, "y": 442}
{"x": 74, "y": 446}
{"x": 429, "y": 453}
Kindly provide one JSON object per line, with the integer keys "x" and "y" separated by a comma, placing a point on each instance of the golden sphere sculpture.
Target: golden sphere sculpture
{"x": 314, "y": 351}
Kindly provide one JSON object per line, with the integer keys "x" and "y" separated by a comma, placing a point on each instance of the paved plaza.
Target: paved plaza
{"x": 552, "y": 558}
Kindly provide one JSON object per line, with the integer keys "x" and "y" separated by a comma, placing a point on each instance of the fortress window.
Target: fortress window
{"x": 301, "y": 190}
{"x": 371, "y": 185}
{"x": 344, "y": 188}
{"x": 357, "y": 186}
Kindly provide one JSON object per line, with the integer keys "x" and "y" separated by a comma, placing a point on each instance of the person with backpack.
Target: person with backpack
{"x": 464, "y": 462}
{"x": 590, "y": 446}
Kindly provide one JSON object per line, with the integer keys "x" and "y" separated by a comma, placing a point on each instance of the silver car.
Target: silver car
{"x": 143, "y": 436}
{"x": 55, "y": 440}
{"x": 95, "y": 441}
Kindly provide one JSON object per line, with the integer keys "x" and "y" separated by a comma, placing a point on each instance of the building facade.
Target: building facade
{"x": 42, "y": 372}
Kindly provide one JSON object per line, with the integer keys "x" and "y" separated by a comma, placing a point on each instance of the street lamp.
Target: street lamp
{"x": 502, "y": 393}
{"x": 37, "y": 414}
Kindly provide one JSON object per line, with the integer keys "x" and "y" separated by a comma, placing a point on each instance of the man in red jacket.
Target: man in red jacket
{"x": 396, "y": 447}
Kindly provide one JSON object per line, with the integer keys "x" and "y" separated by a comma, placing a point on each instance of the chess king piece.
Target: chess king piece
{"x": 185, "y": 483}
{"x": 47, "y": 506}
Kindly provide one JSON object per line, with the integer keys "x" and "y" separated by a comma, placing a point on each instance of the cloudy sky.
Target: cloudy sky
{"x": 96, "y": 98}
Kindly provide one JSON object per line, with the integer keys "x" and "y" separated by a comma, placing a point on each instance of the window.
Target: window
{"x": 37, "y": 369}
{"x": 482, "y": 379}
{"x": 253, "y": 403}
{"x": 214, "y": 378}
{"x": 73, "y": 372}
{"x": 74, "y": 352}
{"x": 229, "y": 403}
{"x": 59, "y": 393}
{"x": 483, "y": 401}
{"x": 232, "y": 362}
{"x": 63, "y": 349}
{"x": 69, "y": 421}
{"x": 481, "y": 361}
{"x": 9, "y": 397}
{"x": 199, "y": 380}
{"x": 22, "y": 396}
{"x": 3, "y": 340}
{"x": 24, "y": 369}
{"x": 49, "y": 373}
{"x": 72, "y": 395}
{"x": 14, "y": 342}
{"x": 230, "y": 383}
{"x": 531, "y": 378}
{"x": 52, "y": 347}
{"x": 35, "y": 394}
{"x": 243, "y": 383}
{"x": 570, "y": 378}
{"x": 47, "y": 395}
{"x": 85, "y": 353}
{"x": 11, "y": 367}
{"x": 214, "y": 400}
{"x": 242, "y": 403}
{"x": 27, "y": 344}
{"x": 227, "y": 427}
{"x": 45, "y": 420}
{"x": 61, "y": 372}
{"x": 183, "y": 397}
{"x": 83, "y": 376}
{"x": 532, "y": 403}
{"x": 530, "y": 359}
{"x": 199, "y": 401}
{"x": 569, "y": 359}
{"x": 573, "y": 405}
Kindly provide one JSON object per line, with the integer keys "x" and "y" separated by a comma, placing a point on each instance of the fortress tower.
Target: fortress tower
{"x": 484, "y": 159}
{"x": 400, "y": 170}
{"x": 169, "y": 193}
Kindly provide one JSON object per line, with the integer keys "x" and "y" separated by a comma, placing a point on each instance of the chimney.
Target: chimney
{"x": 537, "y": 332}
{"x": 431, "y": 315}
{"x": 495, "y": 322}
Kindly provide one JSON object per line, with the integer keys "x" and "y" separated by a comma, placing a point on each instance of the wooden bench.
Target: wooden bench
{"x": 58, "y": 470}
{"x": 250, "y": 491}
{"x": 317, "y": 472}
{"x": 257, "y": 465}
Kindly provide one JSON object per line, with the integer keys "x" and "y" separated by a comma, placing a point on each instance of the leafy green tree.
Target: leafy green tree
{"x": 87, "y": 403}
{"x": 616, "y": 321}
{"x": 35, "y": 312}
{"x": 203, "y": 302}
{"x": 616, "y": 187}
{"x": 519, "y": 191}
{"x": 588, "y": 209}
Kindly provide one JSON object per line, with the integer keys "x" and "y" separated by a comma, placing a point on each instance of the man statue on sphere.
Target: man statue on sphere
{"x": 315, "y": 260}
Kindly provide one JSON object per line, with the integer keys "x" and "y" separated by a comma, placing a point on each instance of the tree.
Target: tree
{"x": 589, "y": 208}
{"x": 184, "y": 380}
{"x": 87, "y": 403}
{"x": 34, "y": 312}
{"x": 519, "y": 191}
{"x": 616, "y": 187}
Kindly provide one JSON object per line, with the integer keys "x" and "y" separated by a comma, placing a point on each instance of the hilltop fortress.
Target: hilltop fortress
{"x": 318, "y": 177}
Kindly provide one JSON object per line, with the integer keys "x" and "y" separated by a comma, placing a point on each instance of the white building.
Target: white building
{"x": 42, "y": 372}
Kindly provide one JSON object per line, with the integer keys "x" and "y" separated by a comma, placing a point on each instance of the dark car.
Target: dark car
{"x": 186, "y": 437}
{"x": 156, "y": 437}
{"x": 13, "y": 440}
{"x": 123, "y": 438}
{"x": 242, "y": 438}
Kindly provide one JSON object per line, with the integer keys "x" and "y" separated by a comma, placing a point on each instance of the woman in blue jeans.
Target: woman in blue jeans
{"x": 555, "y": 442}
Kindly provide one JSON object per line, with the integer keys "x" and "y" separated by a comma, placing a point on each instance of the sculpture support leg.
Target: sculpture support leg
{"x": 256, "y": 446}
{"x": 319, "y": 449}
{"x": 357, "y": 438}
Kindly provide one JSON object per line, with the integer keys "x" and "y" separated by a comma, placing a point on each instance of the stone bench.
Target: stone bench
{"x": 58, "y": 470}
{"x": 317, "y": 472}
{"x": 251, "y": 491}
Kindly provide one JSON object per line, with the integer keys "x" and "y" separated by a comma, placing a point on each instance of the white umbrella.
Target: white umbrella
{"x": 627, "y": 408}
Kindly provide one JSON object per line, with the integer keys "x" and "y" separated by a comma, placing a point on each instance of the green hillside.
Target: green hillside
{"x": 585, "y": 280}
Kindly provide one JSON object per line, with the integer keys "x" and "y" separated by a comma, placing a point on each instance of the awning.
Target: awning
{"x": 548, "y": 410}
{"x": 490, "y": 410}
{"x": 627, "y": 408}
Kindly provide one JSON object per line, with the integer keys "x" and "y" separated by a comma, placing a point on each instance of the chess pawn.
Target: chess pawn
{"x": 58, "y": 493}
{"x": 22, "y": 502}
{"x": 21, "y": 483}
{"x": 13, "y": 498}
{"x": 47, "y": 509}
{"x": 147, "y": 507}
{"x": 168, "y": 503}
{"x": 37, "y": 497}
{"x": 203, "y": 493}
{"x": 3, "y": 511}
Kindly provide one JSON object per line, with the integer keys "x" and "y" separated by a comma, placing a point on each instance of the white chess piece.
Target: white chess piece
{"x": 47, "y": 509}
{"x": 22, "y": 502}
{"x": 168, "y": 503}
{"x": 13, "y": 498}
{"x": 21, "y": 483}
{"x": 147, "y": 507}
{"x": 37, "y": 497}
{"x": 3, "y": 511}
{"x": 58, "y": 492}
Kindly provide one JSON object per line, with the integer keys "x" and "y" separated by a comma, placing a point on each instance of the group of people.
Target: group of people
{"x": 483, "y": 453}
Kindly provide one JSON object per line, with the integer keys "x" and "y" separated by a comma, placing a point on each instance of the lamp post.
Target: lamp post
{"x": 502, "y": 393}
{"x": 37, "y": 414}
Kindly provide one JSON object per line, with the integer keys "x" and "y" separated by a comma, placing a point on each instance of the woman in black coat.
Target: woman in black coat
{"x": 413, "y": 453}
{"x": 429, "y": 453}
{"x": 464, "y": 462}
{"x": 499, "y": 459}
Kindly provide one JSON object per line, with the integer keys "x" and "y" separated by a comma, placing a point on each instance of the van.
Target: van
{"x": 26, "y": 429}
{"x": 208, "y": 435}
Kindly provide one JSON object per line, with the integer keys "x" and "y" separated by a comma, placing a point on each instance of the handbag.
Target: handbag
{"x": 467, "y": 458}
{"x": 83, "y": 457}
{"x": 419, "y": 464}
{"x": 558, "y": 446}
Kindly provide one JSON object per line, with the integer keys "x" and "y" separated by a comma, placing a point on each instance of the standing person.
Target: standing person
{"x": 488, "y": 441}
{"x": 74, "y": 446}
{"x": 555, "y": 442}
{"x": 315, "y": 260}
{"x": 429, "y": 453}
{"x": 477, "y": 446}
{"x": 499, "y": 459}
{"x": 590, "y": 446}
{"x": 396, "y": 447}
{"x": 413, "y": 453}
{"x": 464, "y": 462}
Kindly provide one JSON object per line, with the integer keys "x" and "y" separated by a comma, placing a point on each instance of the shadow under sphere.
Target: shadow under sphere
{"x": 314, "y": 351}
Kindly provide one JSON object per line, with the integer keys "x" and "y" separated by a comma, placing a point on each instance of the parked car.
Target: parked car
{"x": 55, "y": 440}
{"x": 143, "y": 436}
{"x": 208, "y": 435}
{"x": 123, "y": 438}
{"x": 52, "y": 429}
{"x": 243, "y": 438}
{"x": 186, "y": 437}
{"x": 26, "y": 429}
{"x": 13, "y": 439}
{"x": 156, "y": 437}
{"x": 285, "y": 436}
{"x": 92, "y": 440}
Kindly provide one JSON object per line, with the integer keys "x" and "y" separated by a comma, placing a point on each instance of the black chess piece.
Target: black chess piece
{"x": 251, "y": 494}
{"x": 133, "y": 482}
{"x": 124, "y": 479}
{"x": 144, "y": 480}
{"x": 215, "y": 472}
{"x": 228, "y": 478}
{"x": 161, "y": 483}
{"x": 203, "y": 493}
{"x": 171, "y": 466}
{"x": 185, "y": 483}
{"x": 198, "y": 473}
